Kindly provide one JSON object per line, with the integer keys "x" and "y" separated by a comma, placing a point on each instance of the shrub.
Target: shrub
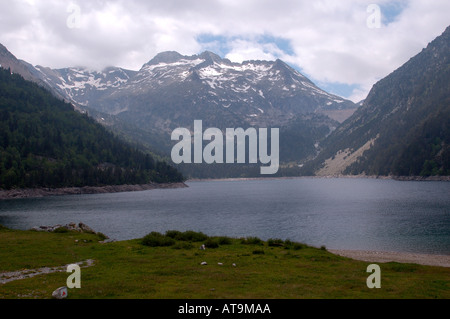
{"x": 155, "y": 239}
{"x": 275, "y": 242}
{"x": 258, "y": 252}
{"x": 224, "y": 241}
{"x": 102, "y": 236}
{"x": 192, "y": 236}
{"x": 186, "y": 236}
{"x": 297, "y": 246}
{"x": 252, "y": 241}
{"x": 174, "y": 234}
{"x": 293, "y": 245}
{"x": 211, "y": 243}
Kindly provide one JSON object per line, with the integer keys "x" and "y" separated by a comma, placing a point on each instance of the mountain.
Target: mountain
{"x": 9, "y": 61}
{"x": 403, "y": 126}
{"x": 172, "y": 90}
{"x": 81, "y": 85}
{"x": 25, "y": 69}
{"x": 44, "y": 142}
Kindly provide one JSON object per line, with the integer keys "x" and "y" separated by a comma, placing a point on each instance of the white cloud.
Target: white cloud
{"x": 329, "y": 39}
{"x": 244, "y": 50}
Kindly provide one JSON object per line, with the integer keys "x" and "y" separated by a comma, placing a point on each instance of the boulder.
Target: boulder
{"x": 85, "y": 228}
{"x": 81, "y": 228}
{"x": 60, "y": 293}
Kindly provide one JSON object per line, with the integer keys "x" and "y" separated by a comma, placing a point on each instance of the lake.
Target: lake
{"x": 339, "y": 213}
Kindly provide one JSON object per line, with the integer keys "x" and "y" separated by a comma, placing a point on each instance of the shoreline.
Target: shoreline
{"x": 395, "y": 178}
{"x": 400, "y": 257}
{"x": 44, "y": 192}
{"x": 372, "y": 256}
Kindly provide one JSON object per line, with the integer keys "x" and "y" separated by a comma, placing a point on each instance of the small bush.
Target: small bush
{"x": 3, "y": 227}
{"x": 224, "y": 241}
{"x": 293, "y": 245}
{"x": 155, "y": 239}
{"x": 194, "y": 236}
{"x": 297, "y": 246}
{"x": 211, "y": 243}
{"x": 252, "y": 241}
{"x": 187, "y": 236}
{"x": 275, "y": 242}
{"x": 323, "y": 248}
{"x": 258, "y": 252}
{"x": 102, "y": 236}
{"x": 174, "y": 234}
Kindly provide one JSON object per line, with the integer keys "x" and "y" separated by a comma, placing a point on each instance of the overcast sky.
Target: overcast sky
{"x": 341, "y": 45}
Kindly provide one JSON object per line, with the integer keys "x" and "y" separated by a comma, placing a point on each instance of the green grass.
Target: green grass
{"x": 170, "y": 267}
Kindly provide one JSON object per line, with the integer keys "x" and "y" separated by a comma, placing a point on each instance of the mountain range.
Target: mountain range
{"x": 401, "y": 128}
{"x": 173, "y": 90}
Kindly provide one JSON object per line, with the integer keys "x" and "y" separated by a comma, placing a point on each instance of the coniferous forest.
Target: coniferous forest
{"x": 44, "y": 142}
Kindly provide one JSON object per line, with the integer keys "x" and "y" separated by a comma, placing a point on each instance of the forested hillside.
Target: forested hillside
{"x": 45, "y": 143}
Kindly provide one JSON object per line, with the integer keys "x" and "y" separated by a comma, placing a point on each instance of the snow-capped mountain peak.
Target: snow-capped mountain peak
{"x": 255, "y": 92}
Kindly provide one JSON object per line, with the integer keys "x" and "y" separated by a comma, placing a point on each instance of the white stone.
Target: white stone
{"x": 60, "y": 293}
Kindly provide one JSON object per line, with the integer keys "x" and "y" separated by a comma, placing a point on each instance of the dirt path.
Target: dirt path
{"x": 6, "y": 277}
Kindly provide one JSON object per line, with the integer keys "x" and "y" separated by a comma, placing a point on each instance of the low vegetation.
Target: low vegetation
{"x": 173, "y": 266}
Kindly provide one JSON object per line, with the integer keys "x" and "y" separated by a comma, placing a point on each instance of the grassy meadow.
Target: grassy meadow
{"x": 169, "y": 266}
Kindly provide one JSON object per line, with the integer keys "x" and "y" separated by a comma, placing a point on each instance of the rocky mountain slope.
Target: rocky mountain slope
{"x": 403, "y": 127}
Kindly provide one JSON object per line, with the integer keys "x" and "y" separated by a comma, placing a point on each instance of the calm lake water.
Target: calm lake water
{"x": 362, "y": 214}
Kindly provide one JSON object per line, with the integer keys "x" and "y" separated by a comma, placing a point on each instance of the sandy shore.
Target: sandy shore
{"x": 384, "y": 257}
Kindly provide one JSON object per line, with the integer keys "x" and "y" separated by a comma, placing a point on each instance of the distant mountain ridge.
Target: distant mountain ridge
{"x": 26, "y": 70}
{"x": 173, "y": 90}
{"x": 401, "y": 128}
{"x": 253, "y": 92}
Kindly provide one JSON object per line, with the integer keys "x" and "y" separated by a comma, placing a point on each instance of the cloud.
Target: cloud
{"x": 327, "y": 40}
